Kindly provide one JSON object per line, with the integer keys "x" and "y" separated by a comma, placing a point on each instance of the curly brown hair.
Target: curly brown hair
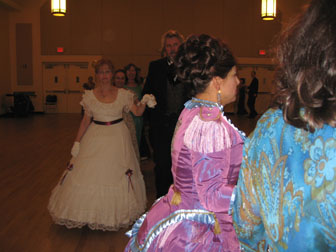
{"x": 306, "y": 75}
{"x": 201, "y": 58}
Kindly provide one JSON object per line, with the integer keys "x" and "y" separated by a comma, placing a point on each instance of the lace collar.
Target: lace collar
{"x": 195, "y": 102}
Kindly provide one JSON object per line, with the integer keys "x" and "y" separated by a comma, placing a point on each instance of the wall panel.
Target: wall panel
{"x": 4, "y": 45}
{"x": 130, "y": 30}
{"x": 116, "y": 31}
{"x": 208, "y": 17}
{"x": 86, "y": 27}
{"x": 24, "y": 54}
{"x": 4, "y": 59}
{"x": 147, "y": 26}
{"x": 55, "y": 31}
{"x": 178, "y": 15}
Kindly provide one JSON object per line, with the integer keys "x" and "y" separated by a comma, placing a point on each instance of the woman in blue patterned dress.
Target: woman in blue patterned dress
{"x": 286, "y": 194}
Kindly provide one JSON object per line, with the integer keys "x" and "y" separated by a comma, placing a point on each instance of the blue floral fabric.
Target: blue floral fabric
{"x": 286, "y": 192}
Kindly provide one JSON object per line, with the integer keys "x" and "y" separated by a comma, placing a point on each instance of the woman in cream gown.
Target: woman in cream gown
{"x": 103, "y": 186}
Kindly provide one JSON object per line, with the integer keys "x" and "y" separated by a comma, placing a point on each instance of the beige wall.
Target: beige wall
{"x": 30, "y": 15}
{"x": 126, "y": 30}
{"x": 4, "y": 59}
{"x": 129, "y": 30}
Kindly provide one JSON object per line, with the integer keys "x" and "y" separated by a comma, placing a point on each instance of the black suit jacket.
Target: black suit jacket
{"x": 156, "y": 83}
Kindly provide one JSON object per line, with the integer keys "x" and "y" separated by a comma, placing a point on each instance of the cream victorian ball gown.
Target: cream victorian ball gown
{"x": 105, "y": 189}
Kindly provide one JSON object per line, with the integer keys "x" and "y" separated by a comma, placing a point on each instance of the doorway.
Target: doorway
{"x": 65, "y": 81}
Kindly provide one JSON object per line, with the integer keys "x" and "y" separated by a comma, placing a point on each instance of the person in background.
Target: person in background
{"x": 119, "y": 80}
{"x": 170, "y": 95}
{"x": 90, "y": 84}
{"x": 252, "y": 95}
{"x": 133, "y": 83}
{"x": 286, "y": 194}
{"x": 206, "y": 157}
{"x": 241, "y": 98}
{"x": 103, "y": 187}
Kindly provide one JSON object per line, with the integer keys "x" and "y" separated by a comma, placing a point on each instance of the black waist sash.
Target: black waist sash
{"x": 108, "y": 123}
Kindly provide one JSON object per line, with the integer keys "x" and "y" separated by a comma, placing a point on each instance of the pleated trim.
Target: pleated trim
{"x": 206, "y": 136}
{"x": 198, "y": 215}
{"x": 198, "y": 103}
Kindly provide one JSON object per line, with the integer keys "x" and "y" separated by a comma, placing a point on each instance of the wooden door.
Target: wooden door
{"x": 77, "y": 75}
{"x": 65, "y": 80}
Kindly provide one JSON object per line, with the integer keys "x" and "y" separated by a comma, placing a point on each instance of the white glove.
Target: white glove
{"x": 149, "y": 99}
{"x": 152, "y": 102}
{"x": 145, "y": 98}
{"x": 75, "y": 149}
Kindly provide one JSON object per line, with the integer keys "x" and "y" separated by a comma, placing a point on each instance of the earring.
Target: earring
{"x": 219, "y": 97}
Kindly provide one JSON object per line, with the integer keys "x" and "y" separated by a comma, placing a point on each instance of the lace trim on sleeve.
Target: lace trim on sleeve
{"x": 129, "y": 97}
{"x": 85, "y": 102}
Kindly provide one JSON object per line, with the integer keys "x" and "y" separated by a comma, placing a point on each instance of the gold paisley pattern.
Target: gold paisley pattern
{"x": 286, "y": 192}
{"x": 302, "y": 137}
{"x": 320, "y": 168}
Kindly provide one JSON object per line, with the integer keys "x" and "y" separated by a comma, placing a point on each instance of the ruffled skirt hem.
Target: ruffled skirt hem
{"x": 93, "y": 226}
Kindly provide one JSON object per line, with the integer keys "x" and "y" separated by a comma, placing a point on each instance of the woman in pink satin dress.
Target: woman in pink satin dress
{"x": 206, "y": 158}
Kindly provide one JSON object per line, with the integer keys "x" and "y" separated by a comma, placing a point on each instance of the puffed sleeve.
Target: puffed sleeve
{"x": 128, "y": 99}
{"x": 215, "y": 172}
{"x": 85, "y": 102}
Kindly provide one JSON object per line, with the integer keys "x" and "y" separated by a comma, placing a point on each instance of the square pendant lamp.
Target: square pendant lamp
{"x": 58, "y": 8}
{"x": 268, "y": 9}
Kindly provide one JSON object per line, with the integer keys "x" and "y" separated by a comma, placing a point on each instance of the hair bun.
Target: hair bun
{"x": 201, "y": 58}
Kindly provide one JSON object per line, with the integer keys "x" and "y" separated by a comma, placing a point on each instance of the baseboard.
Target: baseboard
{"x": 12, "y": 114}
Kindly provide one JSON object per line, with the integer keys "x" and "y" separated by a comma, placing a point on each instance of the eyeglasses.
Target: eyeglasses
{"x": 104, "y": 72}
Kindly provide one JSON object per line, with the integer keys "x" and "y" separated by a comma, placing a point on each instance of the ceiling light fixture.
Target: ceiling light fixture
{"x": 268, "y": 9}
{"x": 58, "y": 8}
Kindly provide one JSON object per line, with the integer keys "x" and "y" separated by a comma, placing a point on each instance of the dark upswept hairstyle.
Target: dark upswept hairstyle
{"x": 137, "y": 70}
{"x": 306, "y": 76}
{"x": 200, "y": 59}
{"x": 103, "y": 62}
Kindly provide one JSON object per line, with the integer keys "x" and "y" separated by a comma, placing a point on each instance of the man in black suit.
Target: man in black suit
{"x": 252, "y": 95}
{"x": 170, "y": 96}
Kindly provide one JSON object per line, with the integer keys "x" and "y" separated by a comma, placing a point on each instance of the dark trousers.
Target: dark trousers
{"x": 144, "y": 148}
{"x": 250, "y": 103}
{"x": 161, "y": 135}
{"x": 241, "y": 104}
